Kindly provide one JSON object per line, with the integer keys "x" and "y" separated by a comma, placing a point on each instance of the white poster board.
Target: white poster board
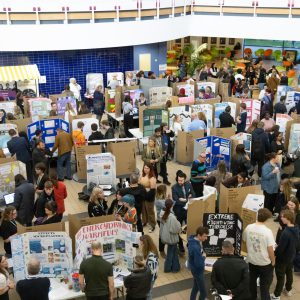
{"x": 130, "y": 77}
{"x": 294, "y": 142}
{"x": 244, "y": 139}
{"x": 282, "y": 90}
{"x": 4, "y": 136}
{"x": 52, "y": 249}
{"x": 204, "y": 84}
{"x": 185, "y": 115}
{"x": 159, "y": 95}
{"x": 281, "y": 120}
{"x": 254, "y": 202}
{"x": 92, "y": 81}
{"x": 8, "y": 106}
{"x": 118, "y": 75}
{"x": 87, "y": 131}
{"x": 39, "y": 107}
{"x": 253, "y": 110}
{"x": 207, "y": 109}
{"x": 101, "y": 169}
{"x": 189, "y": 89}
{"x": 292, "y": 98}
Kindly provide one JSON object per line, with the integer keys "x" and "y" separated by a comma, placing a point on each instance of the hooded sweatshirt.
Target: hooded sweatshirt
{"x": 78, "y": 137}
{"x": 196, "y": 259}
{"x": 286, "y": 249}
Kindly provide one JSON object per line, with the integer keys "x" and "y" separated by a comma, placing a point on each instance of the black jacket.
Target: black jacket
{"x": 109, "y": 134}
{"x": 39, "y": 155}
{"x": 96, "y": 136}
{"x": 39, "y": 205}
{"x": 260, "y": 143}
{"x": 139, "y": 193}
{"x": 138, "y": 283}
{"x": 24, "y": 201}
{"x": 280, "y": 108}
{"x": 230, "y": 272}
{"x": 19, "y": 146}
{"x": 226, "y": 120}
{"x": 239, "y": 163}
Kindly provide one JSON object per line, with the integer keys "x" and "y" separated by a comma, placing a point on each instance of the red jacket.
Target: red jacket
{"x": 60, "y": 194}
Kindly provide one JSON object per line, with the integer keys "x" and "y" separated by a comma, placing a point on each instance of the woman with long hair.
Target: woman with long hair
{"x": 253, "y": 126}
{"x": 202, "y": 117}
{"x": 240, "y": 161}
{"x": 69, "y": 111}
{"x": 169, "y": 234}
{"x": 284, "y": 195}
{"x": 98, "y": 204}
{"x": 220, "y": 174}
{"x": 150, "y": 254}
{"x": 177, "y": 124}
{"x": 8, "y": 227}
{"x": 51, "y": 213}
{"x": 148, "y": 180}
{"x": 5, "y": 283}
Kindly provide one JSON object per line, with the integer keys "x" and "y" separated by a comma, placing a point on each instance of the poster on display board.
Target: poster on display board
{"x": 294, "y": 141}
{"x": 116, "y": 239}
{"x": 101, "y": 169}
{"x": 186, "y": 100}
{"x": 39, "y": 107}
{"x": 207, "y": 109}
{"x": 203, "y": 84}
{"x": 282, "y": 90}
{"x": 186, "y": 89}
{"x": 8, "y": 171}
{"x": 222, "y": 227}
{"x": 134, "y": 96}
{"x": 49, "y": 128}
{"x": 216, "y": 149}
{"x": 220, "y": 107}
{"x": 119, "y": 76}
{"x": 159, "y": 95}
{"x": 52, "y": 249}
{"x": 130, "y": 77}
{"x": 7, "y": 95}
{"x": 8, "y": 106}
{"x": 152, "y": 118}
{"x": 62, "y": 102}
{"x": 244, "y": 139}
{"x": 4, "y": 136}
{"x": 292, "y": 98}
{"x": 185, "y": 114}
{"x": 92, "y": 81}
{"x": 87, "y": 131}
{"x": 281, "y": 120}
{"x": 113, "y": 101}
{"x": 253, "y": 110}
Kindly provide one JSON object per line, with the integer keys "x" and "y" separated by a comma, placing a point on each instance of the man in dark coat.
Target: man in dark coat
{"x": 24, "y": 200}
{"x": 41, "y": 154}
{"x": 230, "y": 274}
{"x": 226, "y": 119}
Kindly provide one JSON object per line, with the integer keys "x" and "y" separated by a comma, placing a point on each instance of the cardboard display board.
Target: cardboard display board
{"x": 216, "y": 81}
{"x": 253, "y": 110}
{"x": 185, "y": 115}
{"x": 216, "y": 149}
{"x": 101, "y": 169}
{"x": 8, "y": 171}
{"x": 41, "y": 228}
{"x": 146, "y": 84}
{"x": 39, "y": 107}
{"x": 49, "y": 128}
{"x": 125, "y": 157}
{"x": 222, "y": 227}
{"x": 207, "y": 109}
{"x": 118, "y": 75}
{"x": 225, "y": 133}
{"x": 231, "y": 200}
{"x": 81, "y": 151}
{"x": 92, "y": 81}
{"x": 87, "y": 131}
{"x": 223, "y": 90}
{"x": 52, "y": 248}
{"x": 220, "y": 107}
{"x": 113, "y": 101}
{"x": 185, "y": 145}
{"x": 8, "y": 106}
{"x": 195, "y": 212}
{"x": 241, "y": 138}
{"x": 4, "y": 136}
{"x": 203, "y": 84}
{"x": 159, "y": 95}
{"x": 292, "y": 98}
{"x": 189, "y": 89}
{"x": 21, "y": 124}
{"x": 62, "y": 102}
{"x": 281, "y": 120}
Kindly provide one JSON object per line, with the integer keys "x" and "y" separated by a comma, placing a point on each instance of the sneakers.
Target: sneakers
{"x": 273, "y": 297}
{"x": 288, "y": 293}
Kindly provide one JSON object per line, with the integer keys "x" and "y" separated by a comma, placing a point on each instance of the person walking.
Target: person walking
{"x": 96, "y": 277}
{"x": 196, "y": 262}
{"x": 198, "y": 174}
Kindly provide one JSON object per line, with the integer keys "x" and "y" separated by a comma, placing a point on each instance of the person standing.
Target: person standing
{"x": 226, "y": 119}
{"x": 96, "y": 135}
{"x": 96, "y": 278}
{"x": 75, "y": 88}
{"x": 33, "y": 288}
{"x": 64, "y": 144}
{"x": 285, "y": 253}
{"x": 196, "y": 262}
{"x": 41, "y": 155}
{"x": 230, "y": 274}
{"x": 46, "y": 196}
{"x": 18, "y": 146}
{"x": 24, "y": 200}
{"x": 98, "y": 102}
{"x": 128, "y": 115}
{"x": 78, "y": 136}
{"x": 198, "y": 174}
{"x": 196, "y": 124}
{"x": 242, "y": 119}
{"x": 260, "y": 245}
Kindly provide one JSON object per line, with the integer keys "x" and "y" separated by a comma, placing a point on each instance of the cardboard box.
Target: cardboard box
{"x": 185, "y": 145}
{"x": 216, "y": 81}
{"x": 21, "y": 124}
{"x": 223, "y": 91}
{"x": 81, "y": 152}
{"x": 47, "y": 227}
{"x": 125, "y": 157}
{"x": 231, "y": 200}
{"x": 225, "y": 133}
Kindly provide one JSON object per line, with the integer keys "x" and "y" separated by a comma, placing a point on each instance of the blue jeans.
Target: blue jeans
{"x": 64, "y": 160}
{"x": 172, "y": 260}
{"x": 198, "y": 286}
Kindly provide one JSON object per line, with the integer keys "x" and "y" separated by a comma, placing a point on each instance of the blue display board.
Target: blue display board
{"x": 216, "y": 149}
{"x": 48, "y": 127}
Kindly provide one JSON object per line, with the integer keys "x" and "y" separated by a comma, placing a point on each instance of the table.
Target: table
{"x": 242, "y": 61}
{"x": 61, "y": 291}
{"x": 139, "y": 135}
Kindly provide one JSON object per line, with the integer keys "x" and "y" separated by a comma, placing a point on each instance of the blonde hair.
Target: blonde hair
{"x": 94, "y": 195}
{"x": 201, "y": 116}
{"x": 69, "y": 107}
{"x": 156, "y": 148}
{"x": 287, "y": 189}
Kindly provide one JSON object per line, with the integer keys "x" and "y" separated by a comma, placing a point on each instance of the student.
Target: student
{"x": 96, "y": 135}
{"x": 46, "y": 196}
{"x": 128, "y": 115}
{"x": 97, "y": 204}
{"x": 198, "y": 174}
{"x": 226, "y": 119}
{"x": 109, "y": 131}
{"x": 242, "y": 119}
{"x": 78, "y": 136}
{"x": 130, "y": 216}
{"x": 40, "y": 170}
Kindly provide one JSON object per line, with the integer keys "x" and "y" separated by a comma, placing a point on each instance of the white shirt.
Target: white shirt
{"x": 261, "y": 94}
{"x": 258, "y": 238}
{"x": 236, "y": 76}
{"x": 75, "y": 88}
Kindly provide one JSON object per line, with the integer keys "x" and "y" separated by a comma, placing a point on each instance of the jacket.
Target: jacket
{"x": 39, "y": 205}
{"x": 19, "y": 146}
{"x": 63, "y": 142}
{"x": 109, "y": 134}
{"x": 285, "y": 252}
{"x": 39, "y": 155}
{"x": 226, "y": 120}
{"x": 260, "y": 143}
{"x": 157, "y": 153}
{"x": 169, "y": 230}
{"x": 230, "y": 272}
{"x": 239, "y": 163}
{"x": 177, "y": 193}
{"x": 78, "y": 136}
{"x": 24, "y": 202}
{"x": 196, "y": 260}
{"x": 95, "y": 136}
{"x": 269, "y": 180}
{"x": 138, "y": 283}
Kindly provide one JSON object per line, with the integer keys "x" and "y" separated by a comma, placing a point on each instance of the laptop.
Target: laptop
{"x": 9, "y": 198}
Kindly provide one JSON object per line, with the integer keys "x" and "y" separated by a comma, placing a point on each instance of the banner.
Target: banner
{"x": 220, "y": 107}
{"x": 185, "y": 114}
{"x": 52, "y": 249}
{"x": 207, "y": 109}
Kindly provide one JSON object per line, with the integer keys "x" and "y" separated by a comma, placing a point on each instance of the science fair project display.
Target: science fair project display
{"x": 130, "y": 77}
{"x": 62, "y": 103}
{"x": 220, "y": 107}
{"x": 113, "y": 100}
{"x": 48, "y": 128}
{"x": 52, "y": 249}
{"x": 253, "y": 110}
{"x": 151, "y": 119}
{"x": 39, "y": 107}
{"x": 201, "y": 85}
{"x": 8, "y": 171}
{"x": 244, "y": 139}
{"x": 101, "y": 169}
{"x": 282, "y": 90}
{"x": 281, "y": 121}
{"x": 8, "y": 106}
{"x": 207, "y": 109}
{"x": 119, "y": 76}
{"x": 4, "y": 136}
{"x": 134, "y": 96}
{"x": 159, "y": 95}
{"x": 216, "y": 149}
{"x": 146, "y": 84}
{"x": 185, "y": 115}
{"x": 294, "y": 140}
{"x": 222, "y": 227}
{"x": 292, "y": 98}
{"x": 87, "y": 130}
{"x": 185, "y": 89}
{"x": 92, "y": 81}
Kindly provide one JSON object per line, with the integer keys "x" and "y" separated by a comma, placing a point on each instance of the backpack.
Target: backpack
{"x": 257, "y": 147}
